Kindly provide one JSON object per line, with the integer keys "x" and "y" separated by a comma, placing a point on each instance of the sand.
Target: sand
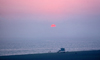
{"x": 76, "y": 55}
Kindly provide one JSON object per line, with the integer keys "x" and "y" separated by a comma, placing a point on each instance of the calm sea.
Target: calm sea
{"x": 46, "y": 45}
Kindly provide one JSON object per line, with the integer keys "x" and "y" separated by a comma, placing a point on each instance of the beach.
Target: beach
{"x": 74, "y": 55}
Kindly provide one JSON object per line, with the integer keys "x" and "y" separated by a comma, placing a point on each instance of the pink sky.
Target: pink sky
{"x": 74, "y": 17}
{"x": 49, "y": 6}
{"x": 45, "y": 9}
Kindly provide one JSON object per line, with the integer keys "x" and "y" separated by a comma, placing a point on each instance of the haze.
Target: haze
{"x": 33, "y": 18}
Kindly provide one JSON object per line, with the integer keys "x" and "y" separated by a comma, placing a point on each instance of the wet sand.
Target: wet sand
{"x": 77, "y": 55}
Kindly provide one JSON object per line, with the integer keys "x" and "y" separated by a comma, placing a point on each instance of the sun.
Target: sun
{"x": 53, "y": 25}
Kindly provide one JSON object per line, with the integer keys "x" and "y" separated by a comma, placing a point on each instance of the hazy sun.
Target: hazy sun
{"x": 53, "y": 25}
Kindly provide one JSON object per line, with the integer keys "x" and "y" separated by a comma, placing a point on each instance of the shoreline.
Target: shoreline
{"x": 73, "y": 55}
{"x": 47, "y": 52}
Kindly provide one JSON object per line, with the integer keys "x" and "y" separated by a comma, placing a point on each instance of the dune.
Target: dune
{"x": 75, "y": 55}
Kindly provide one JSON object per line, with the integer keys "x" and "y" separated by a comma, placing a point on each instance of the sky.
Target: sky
{"x": 33, "y": 18}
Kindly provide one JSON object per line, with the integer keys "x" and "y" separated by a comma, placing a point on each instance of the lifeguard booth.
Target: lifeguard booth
{"x": 62, "y": 50}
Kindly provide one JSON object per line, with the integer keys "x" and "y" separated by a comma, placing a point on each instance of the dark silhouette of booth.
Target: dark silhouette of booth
{"x": 62, "y": 50}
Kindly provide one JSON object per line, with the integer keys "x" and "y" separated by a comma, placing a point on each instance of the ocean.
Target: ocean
{"x": 20, "y": 46}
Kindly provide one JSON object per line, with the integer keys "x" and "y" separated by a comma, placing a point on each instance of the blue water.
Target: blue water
{"x": 45, "y": 45}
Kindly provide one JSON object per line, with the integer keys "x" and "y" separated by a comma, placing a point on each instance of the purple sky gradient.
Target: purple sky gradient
{"x": 33, "y": 19}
